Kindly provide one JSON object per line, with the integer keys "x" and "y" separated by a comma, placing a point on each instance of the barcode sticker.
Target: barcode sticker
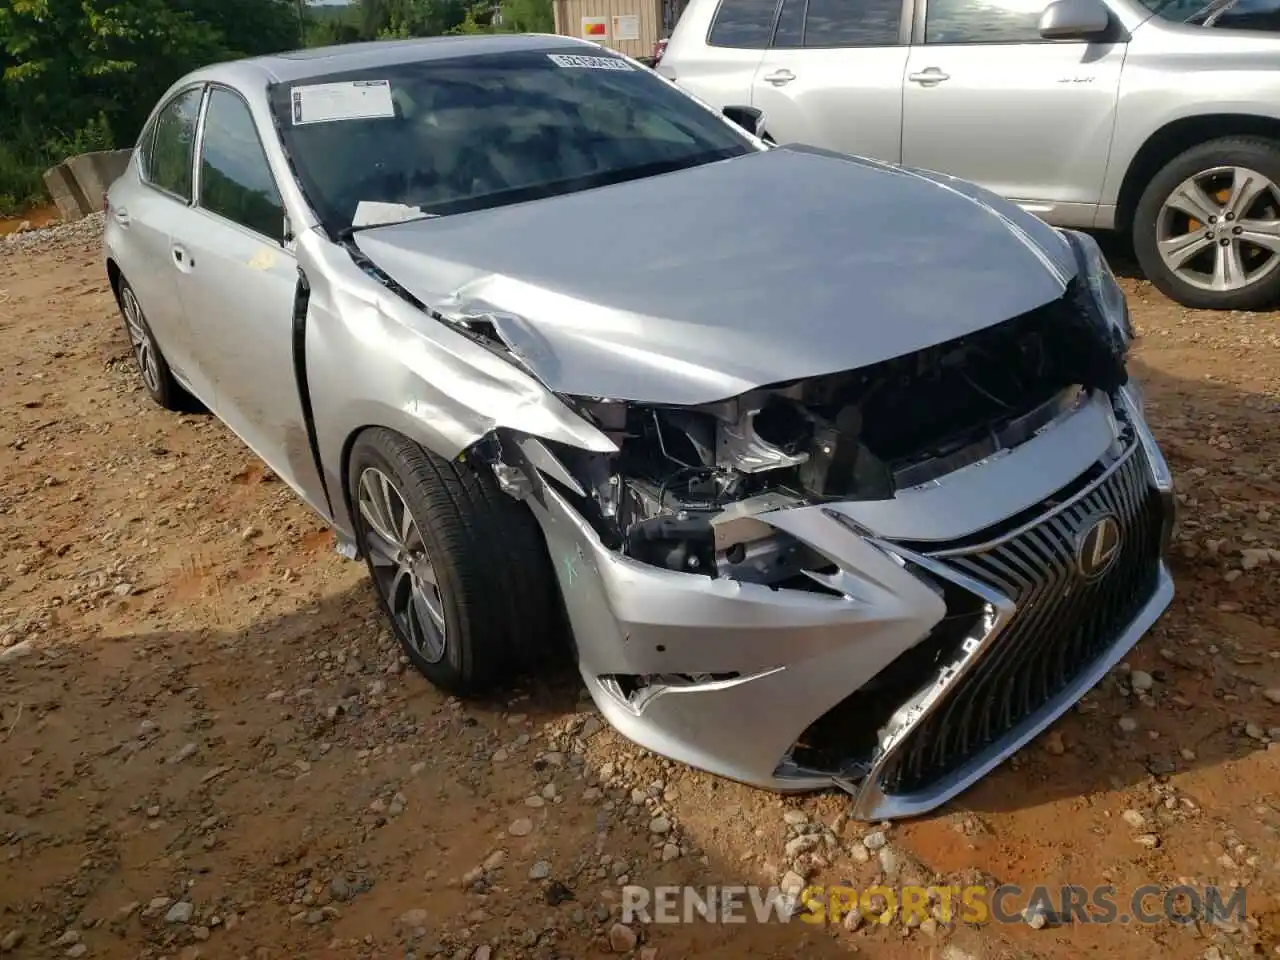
{"x": 589, "y": 63}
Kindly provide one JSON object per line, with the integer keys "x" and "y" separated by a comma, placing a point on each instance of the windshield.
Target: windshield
{"x": 449, "y": 136}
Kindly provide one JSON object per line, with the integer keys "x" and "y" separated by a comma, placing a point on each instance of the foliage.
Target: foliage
{"x": 394, "y": 19}
{"x": 78, "y": 75}
{"x": 528, "y": 16}
{"x": 83, "y": 74}
{"x": 333, "y": 24}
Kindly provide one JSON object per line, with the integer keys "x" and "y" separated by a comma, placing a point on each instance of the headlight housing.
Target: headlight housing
{"x": 1101, "y": 282}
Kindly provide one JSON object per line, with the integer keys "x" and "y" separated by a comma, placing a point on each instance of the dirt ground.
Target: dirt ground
{"x": 209, "y": 746}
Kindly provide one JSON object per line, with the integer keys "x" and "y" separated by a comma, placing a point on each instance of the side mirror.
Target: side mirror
{"x": 1074, "y": 20}
{"x": 749, "y": 119}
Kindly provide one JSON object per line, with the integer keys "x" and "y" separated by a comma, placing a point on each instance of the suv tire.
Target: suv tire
{"x": 1220, "y": 271}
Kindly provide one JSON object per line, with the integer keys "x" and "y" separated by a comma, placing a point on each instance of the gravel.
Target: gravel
{"x": 76, "y": 233}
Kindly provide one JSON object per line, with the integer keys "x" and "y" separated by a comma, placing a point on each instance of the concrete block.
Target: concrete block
{"x": 65, "y": 193}
{"x": 78, "y": 184}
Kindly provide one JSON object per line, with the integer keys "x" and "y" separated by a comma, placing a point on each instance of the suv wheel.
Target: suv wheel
{"x": 1206, "y": 230}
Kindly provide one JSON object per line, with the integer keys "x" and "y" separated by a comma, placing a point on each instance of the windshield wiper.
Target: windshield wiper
{"x": 1207, "y": 14}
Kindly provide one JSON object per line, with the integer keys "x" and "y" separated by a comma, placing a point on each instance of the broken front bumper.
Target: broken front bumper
{"x": 734, "y": 677}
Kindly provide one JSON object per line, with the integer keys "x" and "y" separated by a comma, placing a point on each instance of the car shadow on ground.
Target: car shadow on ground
{"x": 263, "y": 731}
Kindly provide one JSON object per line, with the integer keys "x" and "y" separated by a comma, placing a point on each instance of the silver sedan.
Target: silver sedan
{"x": 827, "y": 472}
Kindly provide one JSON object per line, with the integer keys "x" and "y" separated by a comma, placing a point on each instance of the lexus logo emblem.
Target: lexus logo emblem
{"x": 1098, "y": 548}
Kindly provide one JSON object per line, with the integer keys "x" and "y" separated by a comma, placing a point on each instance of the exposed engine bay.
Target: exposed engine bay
{"x": 687, "y": 484}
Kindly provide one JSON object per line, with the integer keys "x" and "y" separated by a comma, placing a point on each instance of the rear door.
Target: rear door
{"x": 988, "y": 100}
{"x": 146, "y": 219}
{"x": 715, "y": 49}
{"x": 833, "y": 76}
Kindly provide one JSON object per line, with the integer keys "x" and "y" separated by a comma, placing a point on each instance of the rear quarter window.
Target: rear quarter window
{"x": 745, "y": 24}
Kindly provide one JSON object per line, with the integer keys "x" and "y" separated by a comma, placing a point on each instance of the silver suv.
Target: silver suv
{"x": 1162, "y": 120}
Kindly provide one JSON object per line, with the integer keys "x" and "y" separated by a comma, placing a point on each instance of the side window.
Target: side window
{"x": 235, "y": 179}
{"x": 853, "y": 23}
{"x": 746, "y": 24}
{"x": 982, "y": 21}
{"x": 172, "y": 144}
{"x": 790, "y": 32}
{"x": 142, "y": 150}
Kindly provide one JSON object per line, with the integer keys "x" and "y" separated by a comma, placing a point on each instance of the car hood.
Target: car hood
{"x": 701, "y": 284}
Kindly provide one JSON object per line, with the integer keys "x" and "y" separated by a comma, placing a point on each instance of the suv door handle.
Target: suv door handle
{"x": 780, "y": 77}
{"x": 121, "y": 215}
{"x": 929, "y": 77}
{"x": 181, "y": 258}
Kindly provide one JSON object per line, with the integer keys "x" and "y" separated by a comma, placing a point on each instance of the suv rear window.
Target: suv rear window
{"x": 746, "y": 24}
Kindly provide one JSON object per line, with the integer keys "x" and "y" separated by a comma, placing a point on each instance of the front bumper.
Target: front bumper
{"x": 739, "y": 673}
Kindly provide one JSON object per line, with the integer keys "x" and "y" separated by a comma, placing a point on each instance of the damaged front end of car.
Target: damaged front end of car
{"x": 886, "y": 578}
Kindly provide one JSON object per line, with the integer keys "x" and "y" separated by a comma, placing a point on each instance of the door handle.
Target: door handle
{"x": 780, "y": 77}
{"x": 121, "y": 215}
{"x": 182, "y": 258}
{"x": 930, "y": 77}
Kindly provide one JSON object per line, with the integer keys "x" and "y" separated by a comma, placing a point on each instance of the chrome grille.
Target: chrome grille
{"x": 1062, "y": 623}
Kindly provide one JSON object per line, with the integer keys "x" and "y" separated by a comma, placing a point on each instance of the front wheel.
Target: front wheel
{"x": 460, "y": 568}
{"x": 1206, "y": 230}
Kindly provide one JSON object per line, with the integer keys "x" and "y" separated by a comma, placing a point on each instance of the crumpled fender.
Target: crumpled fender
{"x": 375, "y": 359}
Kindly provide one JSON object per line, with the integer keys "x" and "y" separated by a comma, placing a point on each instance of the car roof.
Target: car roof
{"x": 320, "y": 61}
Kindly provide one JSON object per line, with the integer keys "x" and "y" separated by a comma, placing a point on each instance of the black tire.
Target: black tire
{"x": 496, "y": 587}
{"x": 153, "y": 369}
{"x": 1254, "y": 153}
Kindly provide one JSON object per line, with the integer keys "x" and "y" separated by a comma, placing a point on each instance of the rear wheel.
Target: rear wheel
{"x": 1207, "y": 228}
{"x": 460, "y": 568}
{"x": 156, "y": 376}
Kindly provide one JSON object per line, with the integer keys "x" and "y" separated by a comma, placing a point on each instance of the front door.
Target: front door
{"x": 238, "y": 291}
{"x": 987, "y": 100}
{"x": 833, "y": 76}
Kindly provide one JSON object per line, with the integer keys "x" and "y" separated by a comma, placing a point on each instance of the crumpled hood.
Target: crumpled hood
{"x": 701, "y": 284}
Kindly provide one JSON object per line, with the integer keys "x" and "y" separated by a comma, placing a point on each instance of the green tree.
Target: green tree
{"x": 78, "y": 73}
{"x": 528, "y": 16}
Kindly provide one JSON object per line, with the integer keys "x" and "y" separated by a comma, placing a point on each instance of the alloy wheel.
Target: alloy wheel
{"x": 1220, "y": 229}
{"x": 402, "y": 569}
{"x": 144, "y": 350}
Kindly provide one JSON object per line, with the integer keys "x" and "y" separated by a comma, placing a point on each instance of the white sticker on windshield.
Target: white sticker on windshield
{"x": 356, "y": 100}
{"x": 375, "y": 213}
{"x": 588, "y": 63}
